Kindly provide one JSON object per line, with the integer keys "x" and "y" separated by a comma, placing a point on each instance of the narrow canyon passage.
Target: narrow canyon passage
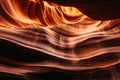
{"x": 41, "y": 40}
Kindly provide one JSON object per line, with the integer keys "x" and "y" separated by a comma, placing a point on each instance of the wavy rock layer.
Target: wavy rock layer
{"x": 45, "y": 41}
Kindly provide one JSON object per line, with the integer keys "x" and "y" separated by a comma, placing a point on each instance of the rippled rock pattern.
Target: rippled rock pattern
{"x": 45, "y": 41}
